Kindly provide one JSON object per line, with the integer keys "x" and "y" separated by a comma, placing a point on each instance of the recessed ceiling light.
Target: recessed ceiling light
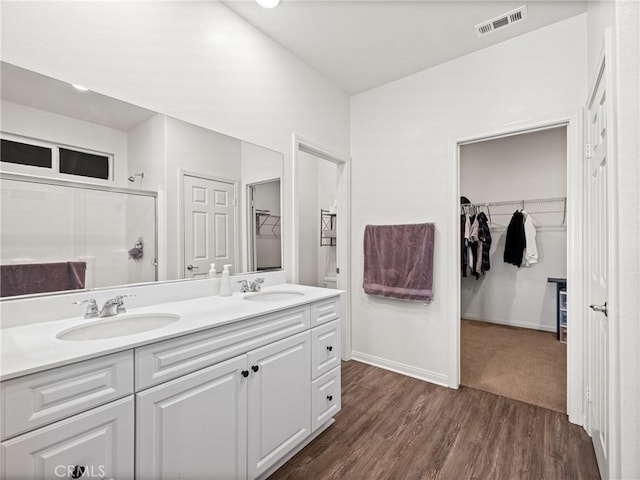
{"x": 80, "y": 87}
{"x": 268, "y": 3}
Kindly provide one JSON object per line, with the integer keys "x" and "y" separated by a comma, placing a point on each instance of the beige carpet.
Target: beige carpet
{"x": 519, "y": 363}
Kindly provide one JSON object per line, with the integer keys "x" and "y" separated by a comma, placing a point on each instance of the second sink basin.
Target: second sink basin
{"x": 273, "y": 296}
{"x": 118, "y": 326}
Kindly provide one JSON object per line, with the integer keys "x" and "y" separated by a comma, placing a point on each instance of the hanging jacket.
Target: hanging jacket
{"x": 473, "y": 246}
{"x": 464, "y": 254}
{"x": 531, "y": 250}
{"x": 484, "y": 238}
{"x": 515, "y": 242}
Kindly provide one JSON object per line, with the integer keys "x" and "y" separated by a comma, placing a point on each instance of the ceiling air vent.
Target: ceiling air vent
{"x": 501, "y": 21}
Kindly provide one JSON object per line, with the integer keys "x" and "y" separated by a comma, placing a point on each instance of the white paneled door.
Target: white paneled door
{"x": 209, "y": 224}
{"x": 599, "y": 231}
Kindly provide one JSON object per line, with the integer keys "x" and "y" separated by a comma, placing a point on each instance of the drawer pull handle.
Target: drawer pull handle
{"x": 330, "y": 348}
{"x": 255, "y": 368}
{"x": 77, "y": 471}
{"x": 245, "y": 373}
{"x": 329, "y": 397}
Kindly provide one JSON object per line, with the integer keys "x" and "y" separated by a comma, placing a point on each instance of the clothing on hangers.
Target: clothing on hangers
{"x": 531, "y": 249}
{"x": 484, "y": 240}
{"x": 515, "y": 243}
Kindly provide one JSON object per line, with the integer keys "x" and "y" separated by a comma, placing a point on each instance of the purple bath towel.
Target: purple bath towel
{"x": 30, "y": 278}
{"x": 398, "y": 261}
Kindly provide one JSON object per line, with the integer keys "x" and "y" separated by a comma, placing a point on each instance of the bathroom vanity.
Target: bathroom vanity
{"x": 231, "y": 390}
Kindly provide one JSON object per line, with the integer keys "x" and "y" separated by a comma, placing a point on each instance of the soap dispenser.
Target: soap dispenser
{"x": 225, "y": 286}
{"x": 215, "y": 277}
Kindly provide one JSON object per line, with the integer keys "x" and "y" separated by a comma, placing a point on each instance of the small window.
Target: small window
{"x": 84, "y": 164}
{"x": 25, "y": 154}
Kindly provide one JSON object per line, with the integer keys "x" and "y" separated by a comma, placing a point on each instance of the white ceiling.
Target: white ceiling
{"x": 39, "y": 91}
{"x": 359, "y": 45}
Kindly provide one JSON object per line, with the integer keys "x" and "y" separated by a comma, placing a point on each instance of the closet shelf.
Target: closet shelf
{"x": 327, "y": 228}
{"x": 546, "y": 212}
{"x": 267, "y": 225}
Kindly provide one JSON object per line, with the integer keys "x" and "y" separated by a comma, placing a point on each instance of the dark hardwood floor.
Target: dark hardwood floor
{"x": 399, "y": 428}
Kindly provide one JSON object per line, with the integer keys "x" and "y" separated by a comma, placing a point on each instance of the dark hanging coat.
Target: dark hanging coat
{"x": 515, "y": 242}
{"x": 484, "y": 235}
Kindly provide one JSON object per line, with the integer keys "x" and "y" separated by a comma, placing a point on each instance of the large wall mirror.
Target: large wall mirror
{"x": 98, "y": 193}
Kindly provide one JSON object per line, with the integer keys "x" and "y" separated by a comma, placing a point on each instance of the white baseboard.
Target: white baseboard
{"x": 408, "y": 370}
{"x": 532, "y": 326}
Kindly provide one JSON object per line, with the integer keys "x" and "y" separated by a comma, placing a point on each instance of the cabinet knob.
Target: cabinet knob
{"x": 245, "y": 373}
{"x": 330, "y": 348}
{"x": 255, "y": 368}
{"x": 77, "y": 471}
{"x": 329, "y": 397}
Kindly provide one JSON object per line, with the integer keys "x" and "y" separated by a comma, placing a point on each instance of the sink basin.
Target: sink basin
{"x": 118, "y": 326}
{"x": 273, "y": 296}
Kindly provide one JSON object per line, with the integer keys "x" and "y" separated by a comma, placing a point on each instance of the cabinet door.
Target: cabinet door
{"x": 279, "y": 400}
{"x": 195, "y": 426}
{"x": 94, "y": 444}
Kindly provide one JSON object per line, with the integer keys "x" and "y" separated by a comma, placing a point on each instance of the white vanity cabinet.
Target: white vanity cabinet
{"x": 229, "y": 420}
{"x": 195, "y": 426}
{"x": 229, "y": 402}
{"x": 279, "y": 400}
{"x": 94, "y": 444}
{"x": 74, "y": 428}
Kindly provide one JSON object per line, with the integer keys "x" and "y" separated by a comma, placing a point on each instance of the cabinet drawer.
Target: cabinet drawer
{"x": 325, "y": 348}
{"x": 99, "y": 441}
{"x": 35, "y": 400}
{"x": 325, "y": 398}
{"x": 325, "y": 311}
{"x": 173, "y": 358}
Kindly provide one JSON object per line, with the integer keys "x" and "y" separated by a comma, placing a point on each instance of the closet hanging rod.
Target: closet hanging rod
{"x": 515, "y": 202}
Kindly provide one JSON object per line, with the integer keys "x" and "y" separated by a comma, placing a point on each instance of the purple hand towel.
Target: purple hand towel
{"x": 30, "y": 278}
{"x": 398, "y": 261}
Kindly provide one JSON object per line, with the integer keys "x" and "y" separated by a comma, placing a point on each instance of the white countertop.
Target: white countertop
{"x": 32, "y": 348}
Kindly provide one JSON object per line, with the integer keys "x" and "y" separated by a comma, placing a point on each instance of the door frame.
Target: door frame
{"x": 576, "y": 255}
{"x": 181, "y": 231}
{"x": 343, "y": 247}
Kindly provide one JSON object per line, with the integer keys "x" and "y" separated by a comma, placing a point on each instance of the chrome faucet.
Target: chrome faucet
{"x": 255, "y": 285}
{"x": 92, "y": 307}
{"x": 114, "y": 306}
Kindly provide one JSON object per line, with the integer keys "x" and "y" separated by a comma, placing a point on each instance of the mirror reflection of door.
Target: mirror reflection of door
{"x": 209, "y": 224}
{"x": 265, "y": 251}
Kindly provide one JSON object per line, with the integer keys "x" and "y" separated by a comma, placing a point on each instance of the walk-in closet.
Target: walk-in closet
{"x": 513, "y": 259}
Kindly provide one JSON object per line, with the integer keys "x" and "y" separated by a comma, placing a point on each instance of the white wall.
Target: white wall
{"x": 42, "y": 125}
{"x": 400, "y": 140}
{"x": 520, "y": 167}
{"x": 196, "y": 61}
{"x": 201, "y": 151}
{"x": 146, "y": 144}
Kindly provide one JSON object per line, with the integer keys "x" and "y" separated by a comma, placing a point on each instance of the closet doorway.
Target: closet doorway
{"x": 513, "y": 257}
{"x": 264, "y": 239}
